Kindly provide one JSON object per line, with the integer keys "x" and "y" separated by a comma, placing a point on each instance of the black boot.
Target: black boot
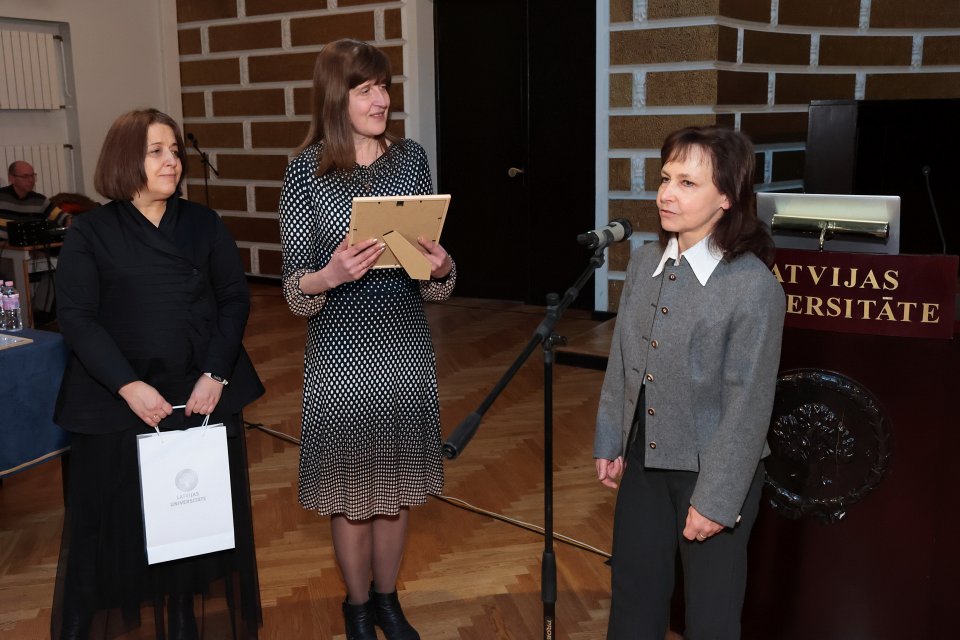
{"x": 389, "y": 616}
{"x": 181, "y": 623}
{"x": 358, "y": 621}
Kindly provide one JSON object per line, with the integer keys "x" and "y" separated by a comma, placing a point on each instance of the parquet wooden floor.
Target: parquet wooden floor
{"x": 465, "y": 576}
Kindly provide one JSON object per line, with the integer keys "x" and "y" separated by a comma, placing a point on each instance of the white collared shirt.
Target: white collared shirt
{"x": 703, "y": 258}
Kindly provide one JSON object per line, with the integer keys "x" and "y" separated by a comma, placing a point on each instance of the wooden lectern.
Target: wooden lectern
{"x": 859, "y": 534}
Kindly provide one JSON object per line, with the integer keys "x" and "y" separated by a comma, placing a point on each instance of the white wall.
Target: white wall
{"x": 421, "y": 96}
{"x": 124, "y": 57}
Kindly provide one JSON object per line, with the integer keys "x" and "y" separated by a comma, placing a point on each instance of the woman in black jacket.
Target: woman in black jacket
{"x": 152, "y": 301}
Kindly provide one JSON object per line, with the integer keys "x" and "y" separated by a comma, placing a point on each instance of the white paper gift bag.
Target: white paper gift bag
{"x": 185, "y": 489}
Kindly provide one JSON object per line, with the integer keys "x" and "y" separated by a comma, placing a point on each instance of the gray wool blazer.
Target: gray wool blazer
{"x": 708, "y": 356}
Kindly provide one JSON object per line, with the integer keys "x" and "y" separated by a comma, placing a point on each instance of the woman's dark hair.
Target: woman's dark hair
{"x": 120, "y": 174}
{"x": 341, "y": 66}
{"x": 731, "y": 154}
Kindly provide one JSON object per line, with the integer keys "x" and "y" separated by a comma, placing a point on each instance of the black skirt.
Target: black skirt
{"x": 103, "y": 563}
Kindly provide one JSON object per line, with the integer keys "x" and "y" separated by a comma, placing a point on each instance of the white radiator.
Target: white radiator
{"x": 48, "y": 160}
{"x": 28, "y": 71}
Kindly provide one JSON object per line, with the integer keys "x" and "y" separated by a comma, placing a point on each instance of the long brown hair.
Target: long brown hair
{"x": 731, "y": 154}
{"x": 342, "y": 65}
{"x": 120, "y": 174}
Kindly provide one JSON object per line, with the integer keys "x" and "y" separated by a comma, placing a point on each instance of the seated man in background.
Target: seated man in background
{"x": 19, "y": 202}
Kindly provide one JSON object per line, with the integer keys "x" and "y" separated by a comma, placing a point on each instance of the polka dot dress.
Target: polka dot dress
{"x": 370, "y": 441}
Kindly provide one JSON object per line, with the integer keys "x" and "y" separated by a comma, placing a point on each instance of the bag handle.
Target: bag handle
{"x": 205, "y": 424}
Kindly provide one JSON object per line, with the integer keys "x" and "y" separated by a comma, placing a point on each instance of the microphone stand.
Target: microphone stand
{"x": 207, "y": 168}
{"x": 461, "y": 436}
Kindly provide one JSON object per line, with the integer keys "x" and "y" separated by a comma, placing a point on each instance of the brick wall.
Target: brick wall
{"x": 246, "y": 69}
{"x": 754, "y": 65}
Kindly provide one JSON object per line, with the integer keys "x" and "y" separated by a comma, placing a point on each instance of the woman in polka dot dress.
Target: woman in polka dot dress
{"x": 370, "y": 443}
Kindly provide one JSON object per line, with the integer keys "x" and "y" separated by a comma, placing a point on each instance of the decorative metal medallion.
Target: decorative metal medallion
{"x": 830, "y": 445}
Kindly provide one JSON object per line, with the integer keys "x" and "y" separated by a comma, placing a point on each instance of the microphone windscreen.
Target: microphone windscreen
{"x": 627, "y": 227}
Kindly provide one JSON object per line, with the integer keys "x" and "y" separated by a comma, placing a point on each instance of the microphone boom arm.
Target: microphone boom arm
{"x": 465, "y": 431}
{"x": 207, "y": 167}
{"x": 204, "y": 158}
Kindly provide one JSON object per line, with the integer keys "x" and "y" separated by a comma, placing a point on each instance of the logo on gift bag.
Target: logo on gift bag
{"x": 186, "y": 480}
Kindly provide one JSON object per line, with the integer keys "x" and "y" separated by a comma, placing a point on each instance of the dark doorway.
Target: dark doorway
{"x": 515, "y": 137}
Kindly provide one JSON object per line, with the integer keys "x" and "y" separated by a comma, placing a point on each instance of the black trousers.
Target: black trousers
{"x": 648, "y": 527}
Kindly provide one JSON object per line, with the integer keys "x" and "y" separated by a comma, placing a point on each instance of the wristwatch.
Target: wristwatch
{"x": 216, "y": 378}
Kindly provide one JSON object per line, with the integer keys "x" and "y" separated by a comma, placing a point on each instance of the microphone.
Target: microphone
{"x": 925, "y": 170}
{"x": 615, "y": 231}
{"x": 191, "y": 138}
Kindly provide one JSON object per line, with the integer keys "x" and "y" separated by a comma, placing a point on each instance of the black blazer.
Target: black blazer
{"x": 161, "y": 305}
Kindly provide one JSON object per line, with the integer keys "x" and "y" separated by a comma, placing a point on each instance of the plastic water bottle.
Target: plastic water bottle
{"x": 3, "y": 305}
{"x": 13, "y": 320}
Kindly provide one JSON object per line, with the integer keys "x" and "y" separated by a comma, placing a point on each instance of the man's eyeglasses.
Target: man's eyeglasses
{"x": 25, "y": 175}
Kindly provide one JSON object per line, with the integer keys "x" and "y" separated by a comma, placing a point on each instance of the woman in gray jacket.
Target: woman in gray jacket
{"x": 688, "y": 393}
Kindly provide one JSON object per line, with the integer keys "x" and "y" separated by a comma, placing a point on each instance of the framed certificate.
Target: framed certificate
{"x": 398, "y": 221}
{"x": 8, "y": 341}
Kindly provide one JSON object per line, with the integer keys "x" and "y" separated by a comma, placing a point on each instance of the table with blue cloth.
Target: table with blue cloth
{"x": 29, "y": 382}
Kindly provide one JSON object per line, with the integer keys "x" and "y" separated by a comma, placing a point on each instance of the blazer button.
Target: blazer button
{"x": 649, "y": 377}
{"x": 653, "y": 343}
{"x": 672, "y": 276}
{"x": 651, "y": 411}
{"x": 653, "y": 445}
{"x": 664, "y": 310}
